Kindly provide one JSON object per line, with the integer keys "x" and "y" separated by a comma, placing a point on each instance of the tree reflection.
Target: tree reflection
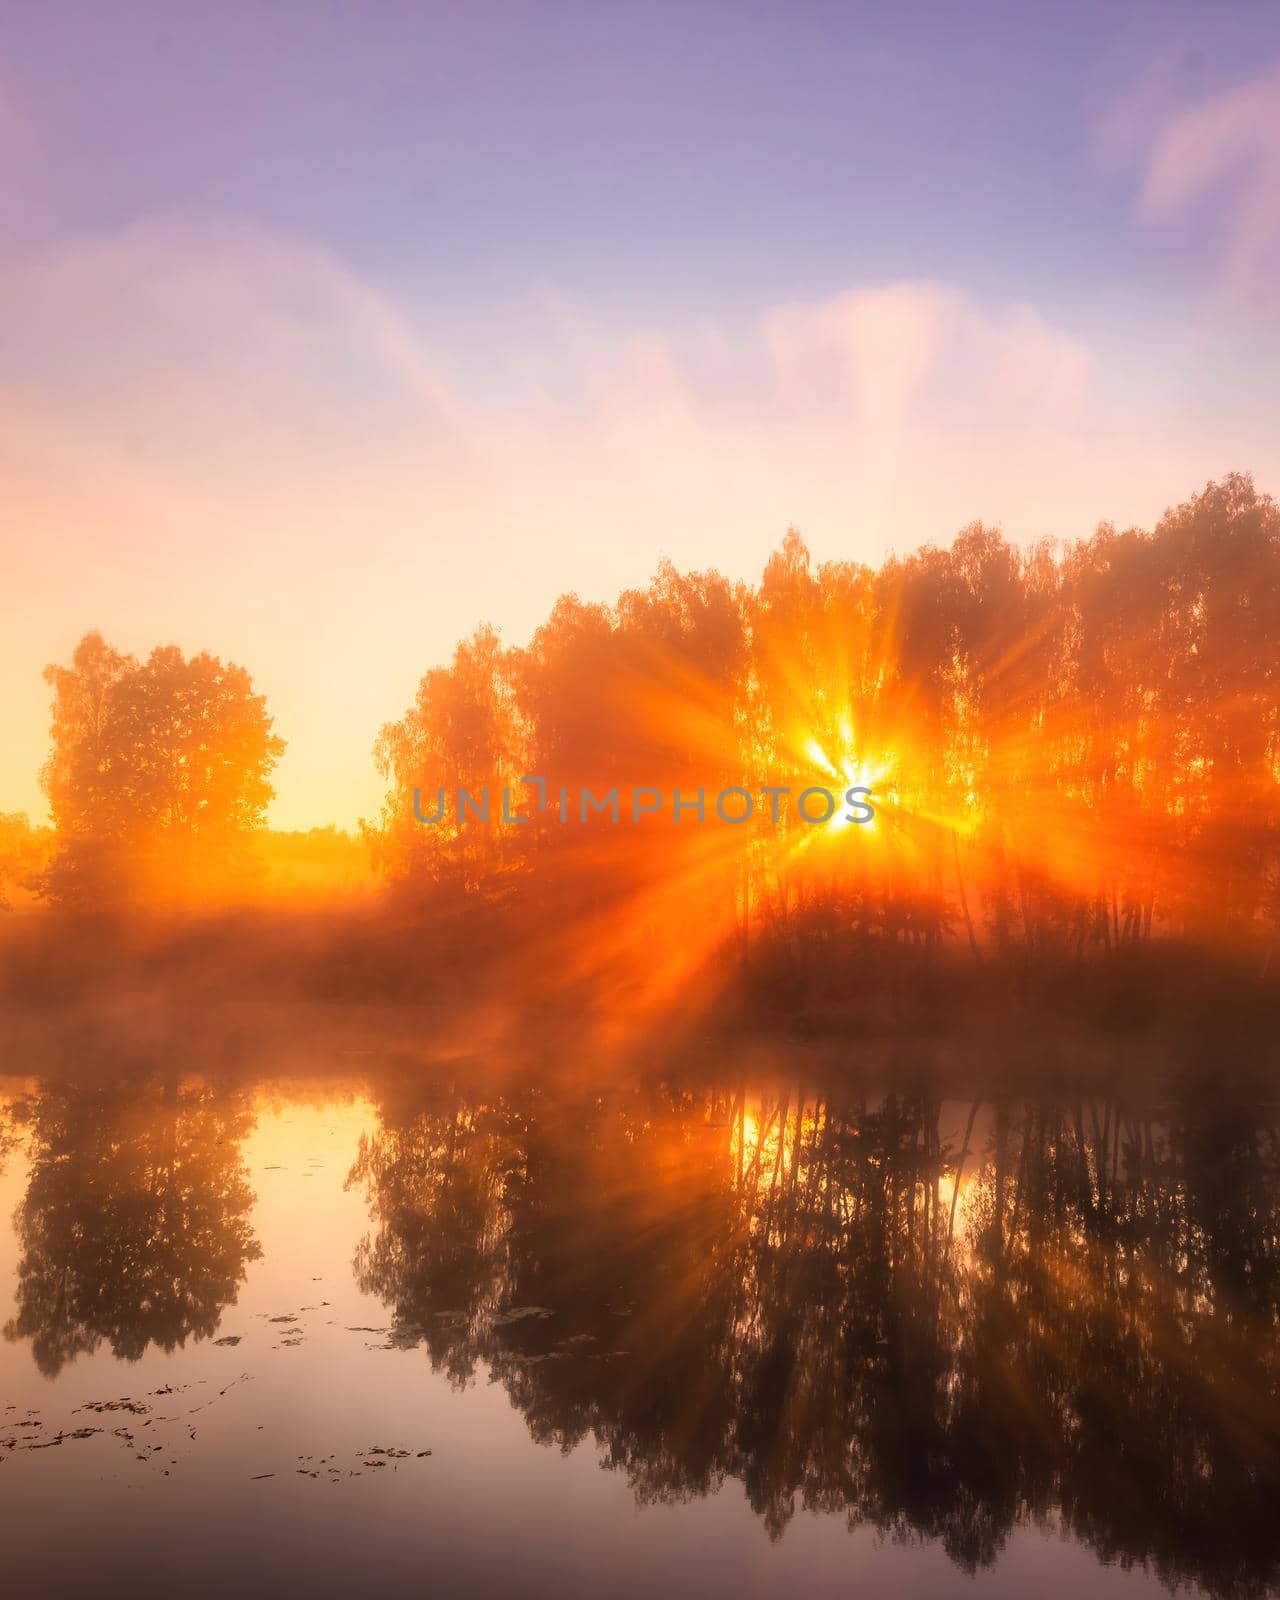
{"x": 942, "y": 1320}
{"x": 134, "y": 1227}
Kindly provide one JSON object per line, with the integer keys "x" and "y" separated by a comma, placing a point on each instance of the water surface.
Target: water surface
{"x": 386, "y": 1324}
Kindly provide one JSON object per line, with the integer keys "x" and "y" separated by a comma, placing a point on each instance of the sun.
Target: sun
{"x": 850, "y": 770}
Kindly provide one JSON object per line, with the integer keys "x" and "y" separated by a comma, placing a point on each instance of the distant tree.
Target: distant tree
{"x": 24, "y": 852}
{"x": 463, "y": 731}
{"x": 158, "y": 774}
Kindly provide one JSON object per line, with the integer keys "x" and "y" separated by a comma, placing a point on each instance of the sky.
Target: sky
{"x": 328, "y": 332}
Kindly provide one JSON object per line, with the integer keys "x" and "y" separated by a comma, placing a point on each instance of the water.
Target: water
{"x": 357, "y": 1320}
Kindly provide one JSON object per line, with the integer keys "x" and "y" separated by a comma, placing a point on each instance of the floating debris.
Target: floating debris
{"x": 58, "y": 1438}
{"x": 519, "y": 1314}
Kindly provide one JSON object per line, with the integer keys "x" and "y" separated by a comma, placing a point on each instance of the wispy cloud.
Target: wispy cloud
{"x": 1215, "y": 164}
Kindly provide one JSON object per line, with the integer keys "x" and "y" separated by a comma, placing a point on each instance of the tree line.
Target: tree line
{"x": 1070, "y": 751}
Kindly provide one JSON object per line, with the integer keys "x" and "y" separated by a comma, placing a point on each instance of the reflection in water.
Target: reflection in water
{"x": 943, "y": 1321}
{"x": 134, "y": 1229}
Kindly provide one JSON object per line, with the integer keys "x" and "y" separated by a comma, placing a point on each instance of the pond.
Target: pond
{"x": 361, "y": 1320}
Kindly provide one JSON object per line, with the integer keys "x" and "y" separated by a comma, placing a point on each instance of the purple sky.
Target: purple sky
{"x": 328, "y": 331}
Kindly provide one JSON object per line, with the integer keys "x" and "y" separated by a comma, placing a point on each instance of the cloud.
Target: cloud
{"x": 1217, "y": 163}
{"x": 196, "y": 342}
{"x": 185, "y": 376}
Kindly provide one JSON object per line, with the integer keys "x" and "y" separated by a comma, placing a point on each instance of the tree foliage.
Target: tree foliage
{"x": 1070, "y": 749}
{"x": 159, "y": 771}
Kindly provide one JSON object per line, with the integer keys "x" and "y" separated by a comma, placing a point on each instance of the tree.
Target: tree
{"x": 23, "y": 853}
{"x": 462, "y": 731}
{"x": 158, "y": 774}
{"x": 1068, "y": 748}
